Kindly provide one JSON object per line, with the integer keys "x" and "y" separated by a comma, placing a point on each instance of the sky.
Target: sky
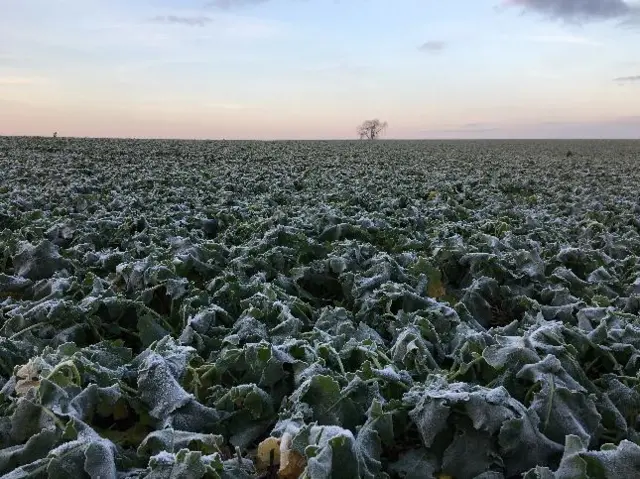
{"x": 315, "y": 69}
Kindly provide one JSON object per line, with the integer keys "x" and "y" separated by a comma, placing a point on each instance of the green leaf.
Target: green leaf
{"x": 322, "y": 394}
{"x": 416, "y": 464}
{"x": 470, "y": 454}
{"x": 170, "y": 440}
{"x": 36, "y": 447}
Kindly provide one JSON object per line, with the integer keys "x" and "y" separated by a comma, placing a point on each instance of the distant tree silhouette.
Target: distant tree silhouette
{"x": 55, "y": 134}
{"x": 371, "y": 129}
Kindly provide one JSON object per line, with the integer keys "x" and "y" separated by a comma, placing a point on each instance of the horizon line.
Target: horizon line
{"x": 162, "y": 138}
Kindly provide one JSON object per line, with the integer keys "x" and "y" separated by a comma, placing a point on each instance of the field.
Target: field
{"x": 319, "y": 309}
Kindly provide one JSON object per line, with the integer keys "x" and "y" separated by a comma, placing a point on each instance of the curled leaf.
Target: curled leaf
{"x": 28, "y": 377}
{"x": 292, "y": 463}
{"x": 268, "y": 449}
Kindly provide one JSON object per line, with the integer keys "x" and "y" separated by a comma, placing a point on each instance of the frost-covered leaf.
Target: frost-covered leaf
{"x": 378, "y": 309}
{"x": 415, "y": 464}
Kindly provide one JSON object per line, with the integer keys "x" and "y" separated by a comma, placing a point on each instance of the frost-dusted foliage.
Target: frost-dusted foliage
{"x": 380, "y": 310}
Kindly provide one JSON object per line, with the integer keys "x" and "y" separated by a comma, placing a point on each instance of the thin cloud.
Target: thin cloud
{"x": 21, "y": 80}
{"x": 432, "y": 46}
{"x": 629, "y": 79}
{"x": 194, "y": 21}
{"x": 341, "y": 68}
{"x": 228, "y": 4}
{"x": 229, "y": 106}
{"x": 567, "y": 39}
{"x": 577, "y": 10}
{"x": 633, "y": 20}
{"x": 467, "y": 128}
{"x": 543, "y": 74}
{"x": 614, "y": 128}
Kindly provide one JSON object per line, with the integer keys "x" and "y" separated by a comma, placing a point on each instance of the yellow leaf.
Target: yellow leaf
{"x": 264, "y": 452}
{"x": 120, "y": 410}
{"x": 24, "y": 385}
{"x": 292, "y": 464}
{"x": 436, "y": 289}
{"x": 28, "y": 377}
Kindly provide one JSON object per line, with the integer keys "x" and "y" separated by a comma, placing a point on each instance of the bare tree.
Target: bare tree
{"x": 371, "y": 129}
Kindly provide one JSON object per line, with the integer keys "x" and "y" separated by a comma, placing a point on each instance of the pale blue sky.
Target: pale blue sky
{"x": 316, "y": 68}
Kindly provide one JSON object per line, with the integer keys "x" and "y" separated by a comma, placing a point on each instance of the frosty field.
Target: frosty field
{"x": 362, "y": 309}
